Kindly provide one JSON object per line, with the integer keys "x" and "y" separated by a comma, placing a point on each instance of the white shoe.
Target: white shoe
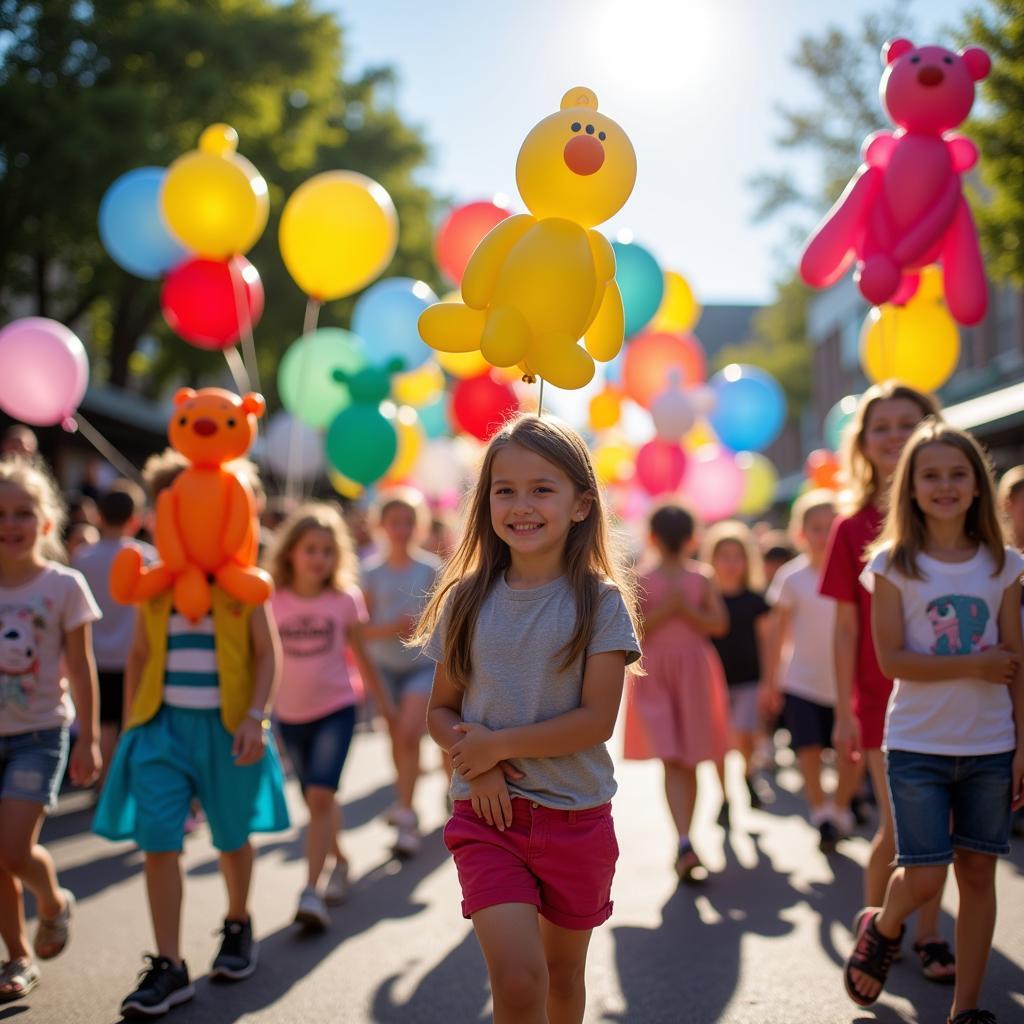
{"x": 407, "y": 841}
{"x": 312, "y": 911}
{"x": 338, "y": 885}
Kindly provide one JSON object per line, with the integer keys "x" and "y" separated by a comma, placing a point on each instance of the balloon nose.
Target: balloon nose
{"x": 204, "y": 427}
{"x": 930, "y": 76}
{"x": 583, "y": 154}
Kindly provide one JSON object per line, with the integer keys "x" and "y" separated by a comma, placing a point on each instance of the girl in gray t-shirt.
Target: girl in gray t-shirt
{"x": 532, "y": 625}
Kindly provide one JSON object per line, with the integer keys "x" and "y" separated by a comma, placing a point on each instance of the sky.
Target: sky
{"x": 694, "y": 83}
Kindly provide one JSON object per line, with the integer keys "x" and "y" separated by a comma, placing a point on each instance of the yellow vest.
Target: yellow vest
{"x": 232, "y": 648}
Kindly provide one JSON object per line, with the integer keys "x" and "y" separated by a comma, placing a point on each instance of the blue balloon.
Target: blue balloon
{"x": 641, "y": 283}
{"x": 386, "y": 317}
{"x": 434, "y": 418}
{"x": 836, "y": 420}
{"x": 131, "y": 227}
{"x": 750, "y": 408}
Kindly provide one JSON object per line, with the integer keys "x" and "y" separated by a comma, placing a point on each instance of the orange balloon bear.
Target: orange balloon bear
{"x": 205, "y": 521}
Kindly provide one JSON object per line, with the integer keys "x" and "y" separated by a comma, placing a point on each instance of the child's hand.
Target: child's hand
{"x": 475, "y": 753}
{"x": 846, "y": 737}
{"x": 769, "y": 700}
{"x": 85, "y": 762}
{"x": 997, "y": 665}
{"x": 247, "y": 746}
{"x": 1018, "y": 780}
{"x": 490, "y": 799}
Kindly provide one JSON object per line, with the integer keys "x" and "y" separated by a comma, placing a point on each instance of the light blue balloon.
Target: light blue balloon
{"x": 434, "y": 418}
{"x": 131, "y": 227}
{"x": 641, "y": 283}
{"x": 750, "y": 408}
{"x": 386, "y": 316}
{"x": 836, "y": 419}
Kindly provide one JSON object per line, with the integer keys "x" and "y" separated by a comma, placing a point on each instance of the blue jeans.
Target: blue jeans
{"x": 929, "y": 791}
{"x": 318, "y": 749}
{"x": 32, "y": 765}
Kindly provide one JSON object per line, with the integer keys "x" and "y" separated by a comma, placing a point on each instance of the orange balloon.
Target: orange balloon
{"x": 651, "y": 358}
{"x": 822, "y": 469}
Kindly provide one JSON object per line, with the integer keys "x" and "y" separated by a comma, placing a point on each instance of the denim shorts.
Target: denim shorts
{"x": 32, "y": 765}
{"x": 318, "y": 749}
{"x": 419, "y": 679}
{"x": 928, "y": 791}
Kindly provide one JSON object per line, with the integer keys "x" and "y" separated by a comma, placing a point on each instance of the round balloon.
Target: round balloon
{"x": 673, "y": 413}
{"x": 641, "y": 283}
{"x": 822, "y": 469}
{"x": 679, "y": 310}
{"x": 461, "y": 231}
{"x": 760, "y": 482}
{"x": 210, "y": 304}
{"x": 714, "y": 483}
{"x": 292, "y": 448}
{"x": 385, "y": 316}
{"x": 345, "y": 487}
{"x": 660, "y": 466}
{"x": 750, "y": 408}
{"x": 653, "y": 356}
{"x": 132, "y": 229}
{"x": 411, "y": 440}
{"x": 605, "y": 409}
{"x": 837, "y": 418}
{"x": 434, "y": 418}
{"x": 419, "y": 387}
{"x": 462, "y": 364}
{"x": 45, "y": 371}
{"x": 481, "y": 405}
{"x": 918, "y": 344}
{"x": 614, "y": 462}
{"x": 338, "y": 232}
{"x": 361, "y": 443}
{"x": 305, "y": 375}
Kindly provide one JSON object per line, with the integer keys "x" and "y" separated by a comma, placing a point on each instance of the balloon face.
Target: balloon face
{"x": 460, "y": 233}
{"x": 918, "y": 344}
{"x": 338, "y": 232}
{"x": 361, "y": 443}
{"x": 45, "y": 371}
{"x": 577, "y": 164}
{"x": 679, "y": 310}
{"x": 132, "y": 229}
{"x": 930, "y": 88}
{"x": 660, "y": 466}
{"x": 305, "y": 376}
{"x": 652, "y": 357}
{"x": 750, "y": 408}
{"x": 481, "y": 405}
{"x": 293, "y": 449}
{"x": 386, "y": 316}
{"x": 714, "y": 483}
{"x": 641, "y": 283}
{"x": 760, "y": 482}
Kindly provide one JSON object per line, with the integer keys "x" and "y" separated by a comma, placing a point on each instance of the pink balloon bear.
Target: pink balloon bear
{"x": 904, "y": 207}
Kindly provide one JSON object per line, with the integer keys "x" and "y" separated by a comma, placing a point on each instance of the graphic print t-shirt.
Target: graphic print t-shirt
{"x": 33, "y": 620}
{"x": 954, "y": 610}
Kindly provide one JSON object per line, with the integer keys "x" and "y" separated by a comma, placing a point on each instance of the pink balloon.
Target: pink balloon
{"x": 904, "y": 208}
{"x": 714, "y": 483}
{"x": 660, "y": 466}
{"x": 45, "y": 371}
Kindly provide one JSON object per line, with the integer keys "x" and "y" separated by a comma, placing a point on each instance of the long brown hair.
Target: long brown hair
{"x": 859, "y": 475}
{"x": 905, "y": 532}
{"x": 590, "y": 558}
{"x": 314, "y": 516}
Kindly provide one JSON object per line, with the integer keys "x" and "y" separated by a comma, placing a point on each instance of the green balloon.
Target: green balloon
{"x": 305, "y": 377}
{"x": 362, "y": 443}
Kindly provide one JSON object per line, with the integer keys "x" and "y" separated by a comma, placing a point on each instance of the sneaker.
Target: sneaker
{"x": 312, "y": 911}
{"x": 689, "y": 868}
{"x": 338, "y": 885}
{"x": 761, "y": 794}
{"x": 723, "y": 815}
{"x": 828, "y": 836}
{"x": 162, "y": 986}
{"x": 238, "y": 952}
{"x": 407, "y": 839}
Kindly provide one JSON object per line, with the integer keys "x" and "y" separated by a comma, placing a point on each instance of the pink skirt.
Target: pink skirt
{"x": 679, "y": 711}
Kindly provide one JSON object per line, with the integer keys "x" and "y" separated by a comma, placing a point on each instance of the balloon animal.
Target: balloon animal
{"x": 904, "y": 207}
{"x": 205, "y": 522}
{"x": 539, "y": 282}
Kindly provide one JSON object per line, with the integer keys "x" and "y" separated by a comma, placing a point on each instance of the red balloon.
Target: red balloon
{"x": 208, "y": 303}
{"x": 660, "y": 466}
{"x": 480, "y": 405}
{"x": 822, "y": 469}
{"x": 461, "y": 232}
{"x": 650, "y": 359}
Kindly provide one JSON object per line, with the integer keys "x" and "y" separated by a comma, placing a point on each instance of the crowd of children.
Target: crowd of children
{"x": 513, "y": 646}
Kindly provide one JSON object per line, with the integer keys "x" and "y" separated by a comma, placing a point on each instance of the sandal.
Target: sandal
{"x": 973, "y": 1017}
{"x": 689, "y": 867}
{"x": 872, "y": 955}
{"x": 53, "y": 932}
{"x": 17, "y": 979}
{"x": 936, "y": 954}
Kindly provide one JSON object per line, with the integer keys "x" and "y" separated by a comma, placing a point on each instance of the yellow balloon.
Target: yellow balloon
{"x": 343, "y": 485}
{"x": 420, "y": 386}
{"x": 215, "y": 204}
{"x": 605, "y": 409}
{"x": 699, "y": 436}
{"x": 338, "y": 232}
{"x": 679, "y": 310}
{"x": 614, "y": 462}
{"x": 918, "y": 344}
{"x": 760, "y": 481}
{"x": 411, "y": 439}
{"x": 463, "y": 364}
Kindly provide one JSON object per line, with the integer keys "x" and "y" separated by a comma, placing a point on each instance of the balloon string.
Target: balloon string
{"x": 239, "y": 373}
{"x": 540, "y": 400}
{"x": 106, "y": 449}
{"x": 245, "y": 326}
{"x": 309, "y": 324}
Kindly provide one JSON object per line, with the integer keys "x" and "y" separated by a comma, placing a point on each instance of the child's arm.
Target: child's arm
{"x": 369, "y": 673}
{"x": 85, "y": 762}
{"x": 247, "y": 747}
{"x": 385, "y": 630}
{"x": 779, "y": 624}
{"x": 845, "y": 636}
{"x": 1010, "y": 638}
{"x": 996, "y": 665}
{"x": 709, "y": 616}
{"x": 133, "y": 666}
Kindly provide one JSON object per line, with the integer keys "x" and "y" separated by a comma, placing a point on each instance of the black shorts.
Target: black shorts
{"x": 111, "y": 697}
{"x": 809, "y": 723}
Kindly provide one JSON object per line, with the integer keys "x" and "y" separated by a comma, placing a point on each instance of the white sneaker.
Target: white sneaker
{"x": 312, "y": 911}
{"x": 407, "y": 840}
{"x": 338, "y": 885}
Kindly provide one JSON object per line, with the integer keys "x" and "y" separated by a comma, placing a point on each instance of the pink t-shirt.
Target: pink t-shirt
{"x": 315, "y": 677}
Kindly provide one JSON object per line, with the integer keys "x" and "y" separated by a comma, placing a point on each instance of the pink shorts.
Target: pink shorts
{"x": 561, "y": 862}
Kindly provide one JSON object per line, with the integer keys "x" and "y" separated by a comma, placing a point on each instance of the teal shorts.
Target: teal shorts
{"x": 179, "y": 755}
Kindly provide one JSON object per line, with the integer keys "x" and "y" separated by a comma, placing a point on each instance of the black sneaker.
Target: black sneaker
{"x": 162, "y": 986}
{"x": 238, "y": 952}
{"x": 828, "y": 836}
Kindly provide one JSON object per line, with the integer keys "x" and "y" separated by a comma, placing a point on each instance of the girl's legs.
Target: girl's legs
{"x": 809, "y": 760}
{"x": 745, "y": 745}
{"x": 236, "y": 867}
{"x": 975, "y": 923}
{"x": 339, "y": 824}
{"x": 681, "y": 794}
{"x": 164, "y": 888}
{"x": 850, "y": 773}
{"x": 565, "y": 951}
{"x": 321, "y": 832}
{"x": 510, "y": 938}
{"x": 405, "y": 744}
{"x": 12, "y": 918}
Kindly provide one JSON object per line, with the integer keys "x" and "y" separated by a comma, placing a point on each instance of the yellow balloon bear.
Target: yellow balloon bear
{"x": 539, "y": 282}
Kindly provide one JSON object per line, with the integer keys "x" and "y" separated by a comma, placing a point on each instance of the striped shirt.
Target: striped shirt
{"x": 190, "y": 675}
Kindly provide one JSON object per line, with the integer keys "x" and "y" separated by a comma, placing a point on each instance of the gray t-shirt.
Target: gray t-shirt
{"x": 391, "y": 593}
{"x": 517, "y": 680}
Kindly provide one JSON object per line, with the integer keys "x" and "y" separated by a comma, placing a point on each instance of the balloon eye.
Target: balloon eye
{"x": 915, "y": 60}
{"x": 231, "y": 423}
{"x": 601, "y": 136}
{"x": 947, "y": 60}
{"x": 182, "y": 422}
{"x": 576, "y": 126}
{"x": 590, "y": 129}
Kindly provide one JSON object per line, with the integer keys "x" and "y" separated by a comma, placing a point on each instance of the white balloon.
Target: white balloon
{"x": 304, "y": 458}
{"x": 445, "y": 467}
{"x": 673, "y": 413}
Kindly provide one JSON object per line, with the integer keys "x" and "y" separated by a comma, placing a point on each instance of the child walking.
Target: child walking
{"x": 1011, "y": 505}
{"x": 678, "y": 711}
{"x": 730, "y": 549}
{"x": 946, "y": 622}
{"x": 320, "y": 614}
{"x": 532, "y": 625}
{"x": 46, "y": 612}
{"x": 886, "y": 416}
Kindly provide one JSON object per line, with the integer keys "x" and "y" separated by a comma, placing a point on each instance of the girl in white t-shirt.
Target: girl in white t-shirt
{"x": 946, "y": 623}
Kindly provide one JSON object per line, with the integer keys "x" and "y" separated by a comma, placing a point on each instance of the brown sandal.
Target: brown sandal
{"x": 53, "y": 932}
{"x": 872, "y": 955}
{"x": 17, "y": 979}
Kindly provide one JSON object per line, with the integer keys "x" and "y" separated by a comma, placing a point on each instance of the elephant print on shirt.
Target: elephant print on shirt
{"x": 959, "y": 623}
